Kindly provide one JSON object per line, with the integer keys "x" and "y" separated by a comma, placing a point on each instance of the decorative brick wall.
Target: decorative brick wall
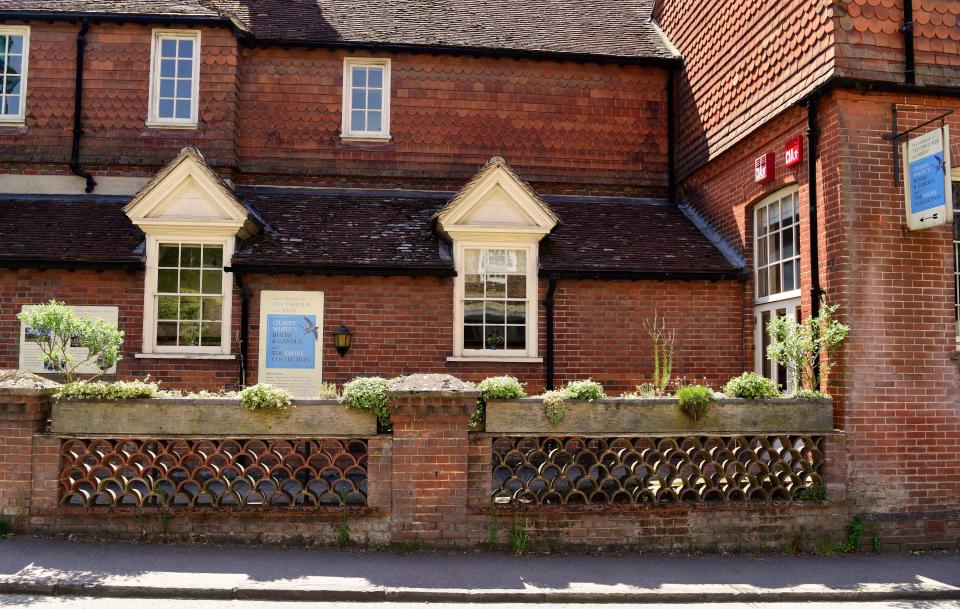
{"x": 23, "y": 413}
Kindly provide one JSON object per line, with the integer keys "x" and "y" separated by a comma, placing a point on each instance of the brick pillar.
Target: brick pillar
{"x": 431, "y": 414}
{"x": 23, "y": 413}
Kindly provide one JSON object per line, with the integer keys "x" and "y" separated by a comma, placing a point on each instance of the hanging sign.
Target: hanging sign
{"x": 926, "y": 164}
{"x": 763, "y": 168}
{"x": 291, "y": 341}
{"x": 793, "y": 151}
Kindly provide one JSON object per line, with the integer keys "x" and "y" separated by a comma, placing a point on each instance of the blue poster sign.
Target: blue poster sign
{"x": 292, "y": 341}
{"x": 927, "y": 187}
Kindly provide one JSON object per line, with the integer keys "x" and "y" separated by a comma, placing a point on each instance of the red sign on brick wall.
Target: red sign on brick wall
{"x": 764, "y": 168}
{"x": 793, "y": 151}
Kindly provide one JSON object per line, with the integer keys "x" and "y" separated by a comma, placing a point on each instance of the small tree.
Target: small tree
{"x": 796, "y": 346}
{"x": 663, "y": 340}
{"x": 56, "y": 328}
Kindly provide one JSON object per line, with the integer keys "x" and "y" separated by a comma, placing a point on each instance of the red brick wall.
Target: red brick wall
{"x": 273, "y": 116}
{"x": 897, "y": 390}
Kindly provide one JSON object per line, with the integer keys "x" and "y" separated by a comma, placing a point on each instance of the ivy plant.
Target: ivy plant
{"x": 370, "y": 394}
{"x": 265, "y": 396}
{"x": 495, "y": 388}
{"x": 555, "y": 401}
{"x": 55, "y": 329}
{"x": 103, "y": 391}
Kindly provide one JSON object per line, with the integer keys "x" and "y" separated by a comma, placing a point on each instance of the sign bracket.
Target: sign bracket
{"x": 895, "y": 136}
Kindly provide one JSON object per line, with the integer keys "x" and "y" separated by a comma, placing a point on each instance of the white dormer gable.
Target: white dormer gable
{"x": 496, "y": 201}
{"x": 188, "y": 197}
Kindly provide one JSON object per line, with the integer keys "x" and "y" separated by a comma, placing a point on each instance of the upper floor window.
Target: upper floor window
{"x": 777, "y": 247}
{"x": 366, "y": 98}
{"x": 14, "y": 50}
{"x": 175, "y": 78}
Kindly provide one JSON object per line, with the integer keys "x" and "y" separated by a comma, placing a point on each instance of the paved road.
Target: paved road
{"x": 36, "y": 602}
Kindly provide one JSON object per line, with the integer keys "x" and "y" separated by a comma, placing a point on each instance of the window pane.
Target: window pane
{"x": 16, "y": 44}
{"x": 516, "y": 286}
{"x": 212, "y": 257}
{"x": 773, "y": 217}
{"x": 788, "y": 277}
{"x": 184, "y": 68}
{"x": 763, "y": 288}
{"x": 516, "y": 312}
{"x": 375, "y": 99}
{"x": 357, "y": 122}
{"x": 189, "y": 281}
{"x": 473, "y": 337}
{"x": 167, "y": 281}
{"x": 12, "y": 105}
{"x": 184, "y": 88}
{"x": 775, "y": 285}
{"x": 212, "y": 282}
{"x": 375, "y": 76}
{"x": 762, "y": 221}
{"x": 762, "y": 251}
{"x": 165, "y": 109}
{"x": 167, "y": 87}
{"x": 495, "y": 312}
{"x": 189, "y": 308}
{"x": 471, "y": 261}
{"x": 496, "y": 286}
{"x": 15, "y": 64}
{"x": 516, "y": 337}
{"x": 12, "y": 85}
{"x": 473, "y": 312}
{"x": 169, "y": 255}
{"x": 167, "y": 334}
{"x": 373, "y": 121}
{"x": 189, "y": 335}
{"x": 212, "y": 309}
{"x": 186, "y": 48}
{"x": 190, "y": 256}
{"x": 788, "y": 244}
{"x": 167, "y": 307}
{"x": 168, "y": 68}
{"x": 210, "y": 335}
{"x": 764, "y": 343}
{"x": 359, "y": 77}
{"x": 473, "y": 286}
{"x": 183, "y": 109}
{"x": 786, "y": 212}
{"x": 168, "y": 47}
{"x": 358, "y": 100}
{"x": 494, "y": 338}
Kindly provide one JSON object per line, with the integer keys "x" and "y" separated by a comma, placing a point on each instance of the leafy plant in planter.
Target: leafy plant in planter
{"x": 555, "y": 402}
{"x": 494, "y": 342}
{"x": 55, "y": 328}
{"x": 102, "y": 391}
{"x": 495, "y": 388}
{"x": 694, "y": 400}
{"x": 663, "y": 341}
{"x": 751, "y": 386}
{"x": 370, "y": 394}
{"x": 797, "y": 346}
{"x": 264, "y": 396}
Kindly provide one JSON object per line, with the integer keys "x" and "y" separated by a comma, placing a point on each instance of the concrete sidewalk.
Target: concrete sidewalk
{"x": 51, "y": 567}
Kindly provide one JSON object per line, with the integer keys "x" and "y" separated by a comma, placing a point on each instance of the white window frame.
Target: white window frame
{"x": 766, "y": 202}
{"x": 532, "y": 250}
{"x": 150, "y": 294}
{"x": 153, "y": 114}
{"x": 21, "y": 117}
{"x": 345, "y": 131}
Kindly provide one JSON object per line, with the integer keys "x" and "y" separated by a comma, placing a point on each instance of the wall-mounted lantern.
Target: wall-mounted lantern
{"x": 342, "y": 337}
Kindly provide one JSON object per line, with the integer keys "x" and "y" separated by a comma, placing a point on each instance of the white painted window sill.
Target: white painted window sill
{"x": 220, "y": 356}
{"x": 151, "y": 125}
{"x": 12, "y": 123}
{"x": 506, "y": 359}
{"x": 365, "y": 138}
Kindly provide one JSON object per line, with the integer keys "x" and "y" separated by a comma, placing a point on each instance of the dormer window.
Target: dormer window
{"x": 175, "y": 79}
{"x": 496, "y": 223}
{"x": 366, "y": 98}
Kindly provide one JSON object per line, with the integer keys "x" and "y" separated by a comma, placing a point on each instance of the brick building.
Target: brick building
{"x": 497, "y": 190}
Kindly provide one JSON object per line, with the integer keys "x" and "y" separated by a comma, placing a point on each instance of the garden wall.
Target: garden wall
{"x": 321, "y": 475}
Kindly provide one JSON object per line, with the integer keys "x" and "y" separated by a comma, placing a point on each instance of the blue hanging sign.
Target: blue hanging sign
{"x": 926, "y": 161}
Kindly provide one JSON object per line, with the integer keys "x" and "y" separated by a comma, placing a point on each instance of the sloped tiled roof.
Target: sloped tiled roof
{"x": 614, "y": 28}
{"x": 360, "y": 229}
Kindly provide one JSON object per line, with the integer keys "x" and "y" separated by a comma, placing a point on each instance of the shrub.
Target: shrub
{"x": 751, "y": 386}
{"x": 369, "y": 393}
{"x": 810, "y": 394}
{"x": 555, "y": 402}
{"x": 101, "y": 390}
{"x": 263, "y": 396}
{"x": 694, "y": 400}
{"x": 56, "y": 329}
{"x": 798, "y": 346}
{"x": 495, "y": 388}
